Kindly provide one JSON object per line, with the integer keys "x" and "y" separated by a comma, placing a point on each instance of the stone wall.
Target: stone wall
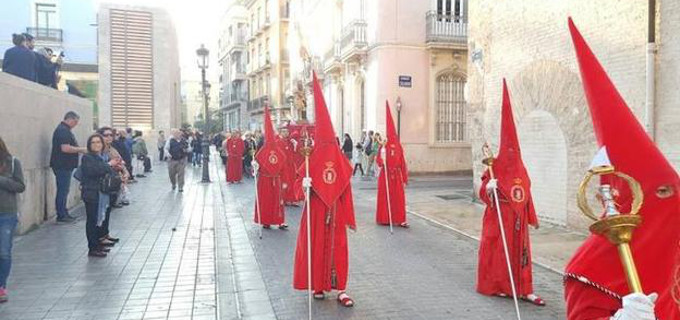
{"x": 528, "y": 43}
{"x": 29, "y": 113}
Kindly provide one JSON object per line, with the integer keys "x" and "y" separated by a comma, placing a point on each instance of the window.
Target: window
{"x": 46, "y": 16}
{"x": 450, "y": 9}
{"x": 450, "y": 104}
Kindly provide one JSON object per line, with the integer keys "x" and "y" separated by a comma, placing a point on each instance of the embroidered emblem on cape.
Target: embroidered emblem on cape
{"x": 329, "y": 174}
{"x": 517, "y": 193}
{"x": 273, "y": 159}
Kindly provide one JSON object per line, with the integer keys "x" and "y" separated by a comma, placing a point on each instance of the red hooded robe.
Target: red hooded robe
{"x": 235, "y": 149}
{"x": 397, "y": 176}
{"x": 291, "y": 190}
{"x": 517, "y": 210}
{"x": 331, "y": 207}
{"x": 595, "y": 280}
{"x": 271, "y": 160}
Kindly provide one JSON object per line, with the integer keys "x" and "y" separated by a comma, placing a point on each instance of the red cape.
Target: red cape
{"x": 517, "y": 211}
{"x": 272, "y": 161}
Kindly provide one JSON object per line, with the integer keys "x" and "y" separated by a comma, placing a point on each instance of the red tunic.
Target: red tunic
{"x": 270, "y": 200}
{"x": 330, "y": 261}
{"x": 288, "y": 174}
{"x": 492, "y": 270}
{"x": 235, "y": 149}
{"x": 397, "y": 177}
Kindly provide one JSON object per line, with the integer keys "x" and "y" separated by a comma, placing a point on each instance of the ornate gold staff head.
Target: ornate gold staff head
{"x": 488, "y": 155}
{"x": 306, "y": 149}
{"x": 617, "y": 227}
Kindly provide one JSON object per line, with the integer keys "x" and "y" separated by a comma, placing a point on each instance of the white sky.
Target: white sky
{"x": 196, "y": 22}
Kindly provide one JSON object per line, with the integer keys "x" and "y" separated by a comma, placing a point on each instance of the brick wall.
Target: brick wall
{"x": 528, "y": 43}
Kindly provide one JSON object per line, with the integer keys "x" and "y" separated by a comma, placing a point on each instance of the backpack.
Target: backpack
{"x": 110, "y": 183}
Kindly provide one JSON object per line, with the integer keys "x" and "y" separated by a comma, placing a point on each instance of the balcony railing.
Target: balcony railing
{"x": 258, "y": 103}
{"x": 446, "y": 28}
{"x": 46, "y": 34}
{"x": 354, "y": 34}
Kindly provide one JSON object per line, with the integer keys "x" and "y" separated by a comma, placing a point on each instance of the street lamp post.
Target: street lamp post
{"x": 202, "y": 60}
{"x": 399, "y": 116}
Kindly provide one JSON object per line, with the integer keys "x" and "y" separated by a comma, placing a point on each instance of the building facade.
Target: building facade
{"x": 233, "y": 59}
{"x": 192, "y": 96}
{"x": 529, "y": 44}
{"x": 65, "y": 26}
{"x": 410, "y": 53}
{"x": 139, "y": 62}
{"x": 268, "y": 69}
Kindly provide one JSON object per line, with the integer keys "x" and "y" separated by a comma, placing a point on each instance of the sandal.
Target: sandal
{"x": 404, "y": 225}
{"x": 534, "y": 299}
{"x": 345, "y": 300}
{"x": 319, "y": 295}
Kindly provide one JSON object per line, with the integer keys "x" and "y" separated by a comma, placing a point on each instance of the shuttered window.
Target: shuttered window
{"x": 450, "y": 108}
{"x": 131, "y": 69}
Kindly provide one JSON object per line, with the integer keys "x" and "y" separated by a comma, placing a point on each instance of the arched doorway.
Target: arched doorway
{"x": 544, "y": 151}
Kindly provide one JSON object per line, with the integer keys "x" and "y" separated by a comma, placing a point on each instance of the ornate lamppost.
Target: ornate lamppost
{"x": 202, "y": 61}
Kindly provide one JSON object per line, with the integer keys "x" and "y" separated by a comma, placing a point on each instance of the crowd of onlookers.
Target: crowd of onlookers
{"x": 40, "y": 65}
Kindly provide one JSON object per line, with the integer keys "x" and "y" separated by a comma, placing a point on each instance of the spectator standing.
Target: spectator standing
{"x": 93, "y": 169}
{"x": 357, "y": 158}
{"x": 110, "y": 155}
{"x": 46, "y": 70}
{"x": 197, "y": 149}
{"x": 368, "y": 151}
{"x": 63, "y": 160}
{"x": 250, "y": 149}
{"x": 20, "y": 60}
{"x": 377, "y": 142}
{"x": 118, "y": 145}
{"x": 11, "y": 184}
{"x": 177, "y": 149}
{"x": 347, "y": 146}
{"x": 161, "y": 145}
{"x": 190, "y": 141}
{"x": 223, "y": 148}
{"x": 141, "y": 154}
{"x": 129, "y": 141}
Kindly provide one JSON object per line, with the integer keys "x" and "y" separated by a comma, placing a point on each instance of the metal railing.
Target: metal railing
{"x": 354, "y": 34}
{"x": 46, "y": 34}
{"x": 258, "y": 103}
{"x": 445, "y": 28}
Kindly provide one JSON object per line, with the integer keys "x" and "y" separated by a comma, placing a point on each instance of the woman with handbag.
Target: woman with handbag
{"x": 94, "y": 172}
{"x": 11, "y": 183}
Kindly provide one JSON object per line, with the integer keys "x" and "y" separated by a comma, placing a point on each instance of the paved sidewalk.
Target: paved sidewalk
{"x": 448, "y": 200}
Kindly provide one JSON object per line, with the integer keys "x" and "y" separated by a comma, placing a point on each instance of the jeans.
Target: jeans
{"x": 91, "y": 230}
{"x": 7, "y": 226}
{"x": 63, "y": 177}
{"x": 197, "y": 158}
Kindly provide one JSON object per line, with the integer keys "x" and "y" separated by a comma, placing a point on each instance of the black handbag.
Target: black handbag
{"x": 110, "y": 183}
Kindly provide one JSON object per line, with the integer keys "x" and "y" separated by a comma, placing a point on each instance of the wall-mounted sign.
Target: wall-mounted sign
{"x": 405, "y": 81}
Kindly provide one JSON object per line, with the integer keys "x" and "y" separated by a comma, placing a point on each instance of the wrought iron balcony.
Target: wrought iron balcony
{"x": 258, "y": 103}
{"x": 354, "y": 36}
{"x": 46, "y": 34}
{"x": 445, "y": 29}
{"x": 331, "y": 61}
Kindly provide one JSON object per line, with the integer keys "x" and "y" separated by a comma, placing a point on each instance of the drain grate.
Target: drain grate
{"x": 450, "y": 197}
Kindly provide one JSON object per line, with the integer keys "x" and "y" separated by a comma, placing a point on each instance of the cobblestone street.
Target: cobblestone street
{"x": 197, "y": 256}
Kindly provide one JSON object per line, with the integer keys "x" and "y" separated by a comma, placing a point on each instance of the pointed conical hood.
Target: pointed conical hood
{"x": 323, "y": 127}
{"x": 329, "y": 169}
{"x": 513, "y": 179}
{"x": 269, "y": 135}
{"x": 270, "y": 157}
{"x": 392, "y": 135}
{"x": 631, "y": 151}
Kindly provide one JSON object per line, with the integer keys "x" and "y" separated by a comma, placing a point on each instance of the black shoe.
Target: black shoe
{"x": 174, "y": 187}
{"x": 117, "y": 205}
{"x": 96, "y": 253}
{"x": 180, "y": 190}
{"x": 283, "y": 226}
{"x": 104, "y": 249}
{"x": 110, "y": 238}
{"x": 66, "y": 219}
{"x": 125, "y": 203}
{"x": 106, "y": 243}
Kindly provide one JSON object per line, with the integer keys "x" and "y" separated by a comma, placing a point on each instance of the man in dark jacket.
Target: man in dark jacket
{"x": 63, "y": 160}
{"x": 19, "y": 60}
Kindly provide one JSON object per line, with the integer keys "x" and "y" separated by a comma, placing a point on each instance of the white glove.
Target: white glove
{"x": 492, "y": 184}
{"x": 306, "y": 182}
{"x": 255, "y": 165}
{"x": 637, "y": 306}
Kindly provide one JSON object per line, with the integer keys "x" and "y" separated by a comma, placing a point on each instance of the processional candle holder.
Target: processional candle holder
{"x": 617, "y": 227}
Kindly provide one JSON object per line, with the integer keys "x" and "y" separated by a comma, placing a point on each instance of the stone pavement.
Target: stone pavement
{"x": 197, "y": 255}
{"x": 448, "y": 200}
